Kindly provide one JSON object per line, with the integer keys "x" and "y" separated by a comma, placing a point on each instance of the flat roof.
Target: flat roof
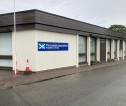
{"x": 36, "y": 19}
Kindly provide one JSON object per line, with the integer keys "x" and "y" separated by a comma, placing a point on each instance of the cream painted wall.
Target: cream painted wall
{"x": 107, "y": 49}
{"x": 55, "y": 59}
{"x": 88, "y": 50}
{"x": 98, "y": 49}
{"x": 25, "y": 49}
{"x": 118, "y": 49}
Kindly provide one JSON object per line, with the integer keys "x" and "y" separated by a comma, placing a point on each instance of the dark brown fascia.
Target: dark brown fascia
{"x": 40, "y": 20}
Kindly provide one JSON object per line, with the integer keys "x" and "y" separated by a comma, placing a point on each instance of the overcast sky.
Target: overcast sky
{"x": 99, "y": 12}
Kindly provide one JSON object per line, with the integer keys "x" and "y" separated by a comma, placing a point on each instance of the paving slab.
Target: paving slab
{"x": 8, "y": 79}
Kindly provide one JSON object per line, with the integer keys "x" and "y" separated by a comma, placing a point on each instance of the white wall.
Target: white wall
{"x": 25, "y": 49}
{"x": 77, "y": 51}
{"x": 112, "y": 49}
{"x": 55, "y": 59}
{"x": 123, "y": 54}
{"x": 118, "y": 49}
{"x": 107, "y": 49}
{"x": 88, "y": 50}
{"x": 98, "y": 49}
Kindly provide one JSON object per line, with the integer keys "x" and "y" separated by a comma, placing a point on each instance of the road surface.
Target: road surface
{"x": 100, "y": 87}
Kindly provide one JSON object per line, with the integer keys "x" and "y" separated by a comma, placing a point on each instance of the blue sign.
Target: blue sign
{"x": 52, "y": 46}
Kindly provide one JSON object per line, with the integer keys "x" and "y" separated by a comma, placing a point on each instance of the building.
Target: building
{"x": 50, "y": 41}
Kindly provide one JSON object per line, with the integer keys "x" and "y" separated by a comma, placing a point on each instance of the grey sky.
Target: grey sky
{"x": 99, "y": 12}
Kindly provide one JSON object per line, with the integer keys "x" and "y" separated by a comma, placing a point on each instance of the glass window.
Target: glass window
{"x": 82, "y": 44}
{"x": 93, "y": 57}
{"x": 93, "y": 49}
{"x": 82, "y": 49}
{"x": 109, "y": 49}
{"x": 109, "y": 45}
{"x": 121, "y": 45}
{"x": 115, "y": 48}
{"x": 115, "y": 45}
{"x": 82, "y": 59}
{"x": 93, "y": 45}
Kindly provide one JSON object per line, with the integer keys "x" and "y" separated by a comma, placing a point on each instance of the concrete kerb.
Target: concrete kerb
{"x": 44, "y": 76}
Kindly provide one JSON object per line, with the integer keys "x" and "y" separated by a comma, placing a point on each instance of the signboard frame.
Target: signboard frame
{"x": 52, "y": 46}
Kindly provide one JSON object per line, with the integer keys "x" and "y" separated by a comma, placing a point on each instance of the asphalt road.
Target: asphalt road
{"x": 101, "y": 87}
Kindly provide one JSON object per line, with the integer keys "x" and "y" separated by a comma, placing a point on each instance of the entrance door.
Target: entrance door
{"x": 102, "y": 50}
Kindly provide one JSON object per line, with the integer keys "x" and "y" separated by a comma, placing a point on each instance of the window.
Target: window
{"x": 109, "y": 49}
{"x": 93, "y": 49}
{"x": 121, "y": 45}
{"x": 115, "y": 48}
{"x": 82, "y": 49}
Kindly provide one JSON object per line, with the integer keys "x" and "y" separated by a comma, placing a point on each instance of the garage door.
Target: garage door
{"x": 6, "y": 49}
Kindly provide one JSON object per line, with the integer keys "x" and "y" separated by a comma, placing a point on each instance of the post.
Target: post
{"x": 106, "y": 50}
{"x": 123, "y": 49}
{"x": 88, "y": 50}
{"x": 98, "y": 49}
{"x": 118, "y": 48}
{"x": 14, "y": 40}
{"x": 77, "y": 51}
{"x": 112, "y": 49}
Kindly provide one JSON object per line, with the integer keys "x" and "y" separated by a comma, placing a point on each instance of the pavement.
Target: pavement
{"x": 99, "y": 87}
{"x": 9, "y": 80}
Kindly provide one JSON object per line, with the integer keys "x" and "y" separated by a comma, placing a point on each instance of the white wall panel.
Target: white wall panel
{"x": 25, "y": 49}
{"x": 55, "y": 59}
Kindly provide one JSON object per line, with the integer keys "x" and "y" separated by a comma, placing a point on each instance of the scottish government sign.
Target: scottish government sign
{"x": 52, "y": 46}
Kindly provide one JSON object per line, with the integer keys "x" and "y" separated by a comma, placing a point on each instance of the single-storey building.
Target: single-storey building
{"x": 50, "y": 41}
